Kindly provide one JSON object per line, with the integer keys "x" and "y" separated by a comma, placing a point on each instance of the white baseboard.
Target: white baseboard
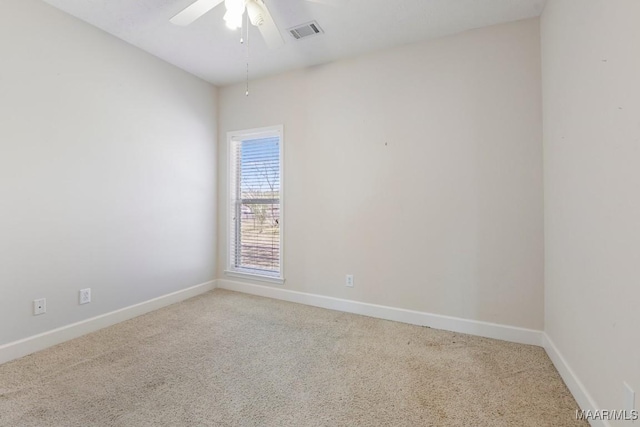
{"x": 437, "y": 321}
{"x": 580, "y": 393}
{"x": 47, "y": 339}
{"x": 23, "y": 347}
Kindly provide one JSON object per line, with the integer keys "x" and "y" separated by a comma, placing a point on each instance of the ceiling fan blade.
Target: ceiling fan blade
{"x": 269, "y": 29}
{"x": 194, "y": 11}
{"x": 330, "y": 2}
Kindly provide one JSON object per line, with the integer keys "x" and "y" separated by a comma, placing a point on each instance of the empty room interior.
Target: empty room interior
{"x": 319, "y": 213}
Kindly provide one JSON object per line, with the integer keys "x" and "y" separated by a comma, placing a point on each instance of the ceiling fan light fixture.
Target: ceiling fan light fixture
{"x": 233, "y": 20}
{"x": 235, "y": 10}
{"x": 235, "y": 7}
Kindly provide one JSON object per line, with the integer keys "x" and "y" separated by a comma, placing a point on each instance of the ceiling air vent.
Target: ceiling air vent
{"x": 306, "y": 30}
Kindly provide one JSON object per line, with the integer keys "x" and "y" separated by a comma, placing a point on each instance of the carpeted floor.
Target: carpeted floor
{"x": 229, "y": 359}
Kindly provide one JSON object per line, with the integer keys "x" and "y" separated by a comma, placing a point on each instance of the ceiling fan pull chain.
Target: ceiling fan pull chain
{"x": 242, "y": 34}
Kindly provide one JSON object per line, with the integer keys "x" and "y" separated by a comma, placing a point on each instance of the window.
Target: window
{"x": 255, "y": 204}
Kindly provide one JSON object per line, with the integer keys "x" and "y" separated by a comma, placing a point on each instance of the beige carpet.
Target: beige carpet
{"x": 228, "y": 359}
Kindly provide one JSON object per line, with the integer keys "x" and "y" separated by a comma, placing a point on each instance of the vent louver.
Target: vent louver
{"x": 306, "y": 30}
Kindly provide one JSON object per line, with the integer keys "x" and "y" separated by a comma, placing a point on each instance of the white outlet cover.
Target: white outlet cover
{"x": 85, "y": 296}
{"x": 349, "y": 281}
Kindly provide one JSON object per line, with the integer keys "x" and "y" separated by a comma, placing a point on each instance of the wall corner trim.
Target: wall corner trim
{"x": 32, "y": 344}
{"x": 580, "y": 393}
{"x": 436, "y": 321}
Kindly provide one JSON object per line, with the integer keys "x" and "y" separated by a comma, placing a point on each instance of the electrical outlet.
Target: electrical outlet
{"x": 39, "y": 306}
{"x": 349, "y": 281}
{"x": 629, "y": 397}
{"x": 85, "y": 296}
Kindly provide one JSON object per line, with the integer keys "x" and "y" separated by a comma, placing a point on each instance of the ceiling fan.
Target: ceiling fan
{"x": 257, "y": 12}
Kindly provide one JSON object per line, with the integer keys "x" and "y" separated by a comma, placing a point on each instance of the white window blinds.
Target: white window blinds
{"x": 255, "y": 192}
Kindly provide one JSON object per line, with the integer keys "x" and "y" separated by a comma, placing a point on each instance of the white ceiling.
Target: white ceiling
{"x": 211, "y": 51}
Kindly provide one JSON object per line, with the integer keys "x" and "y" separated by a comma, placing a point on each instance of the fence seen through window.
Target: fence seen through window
{"x": 256, "y": 205}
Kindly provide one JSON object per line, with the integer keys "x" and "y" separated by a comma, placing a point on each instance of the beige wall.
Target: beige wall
{"x": 591, "y": 90}
{"x": 107, "y": 172}
{"x": 418, "y": 170}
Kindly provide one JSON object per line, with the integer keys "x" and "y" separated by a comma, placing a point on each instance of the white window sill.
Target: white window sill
{"x": 258, "y": 277}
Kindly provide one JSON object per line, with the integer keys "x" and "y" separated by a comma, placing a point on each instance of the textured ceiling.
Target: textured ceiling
{"x": 211, "y": 51}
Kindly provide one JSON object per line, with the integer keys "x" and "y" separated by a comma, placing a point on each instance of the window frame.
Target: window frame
{"x": 256, "y": 133}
